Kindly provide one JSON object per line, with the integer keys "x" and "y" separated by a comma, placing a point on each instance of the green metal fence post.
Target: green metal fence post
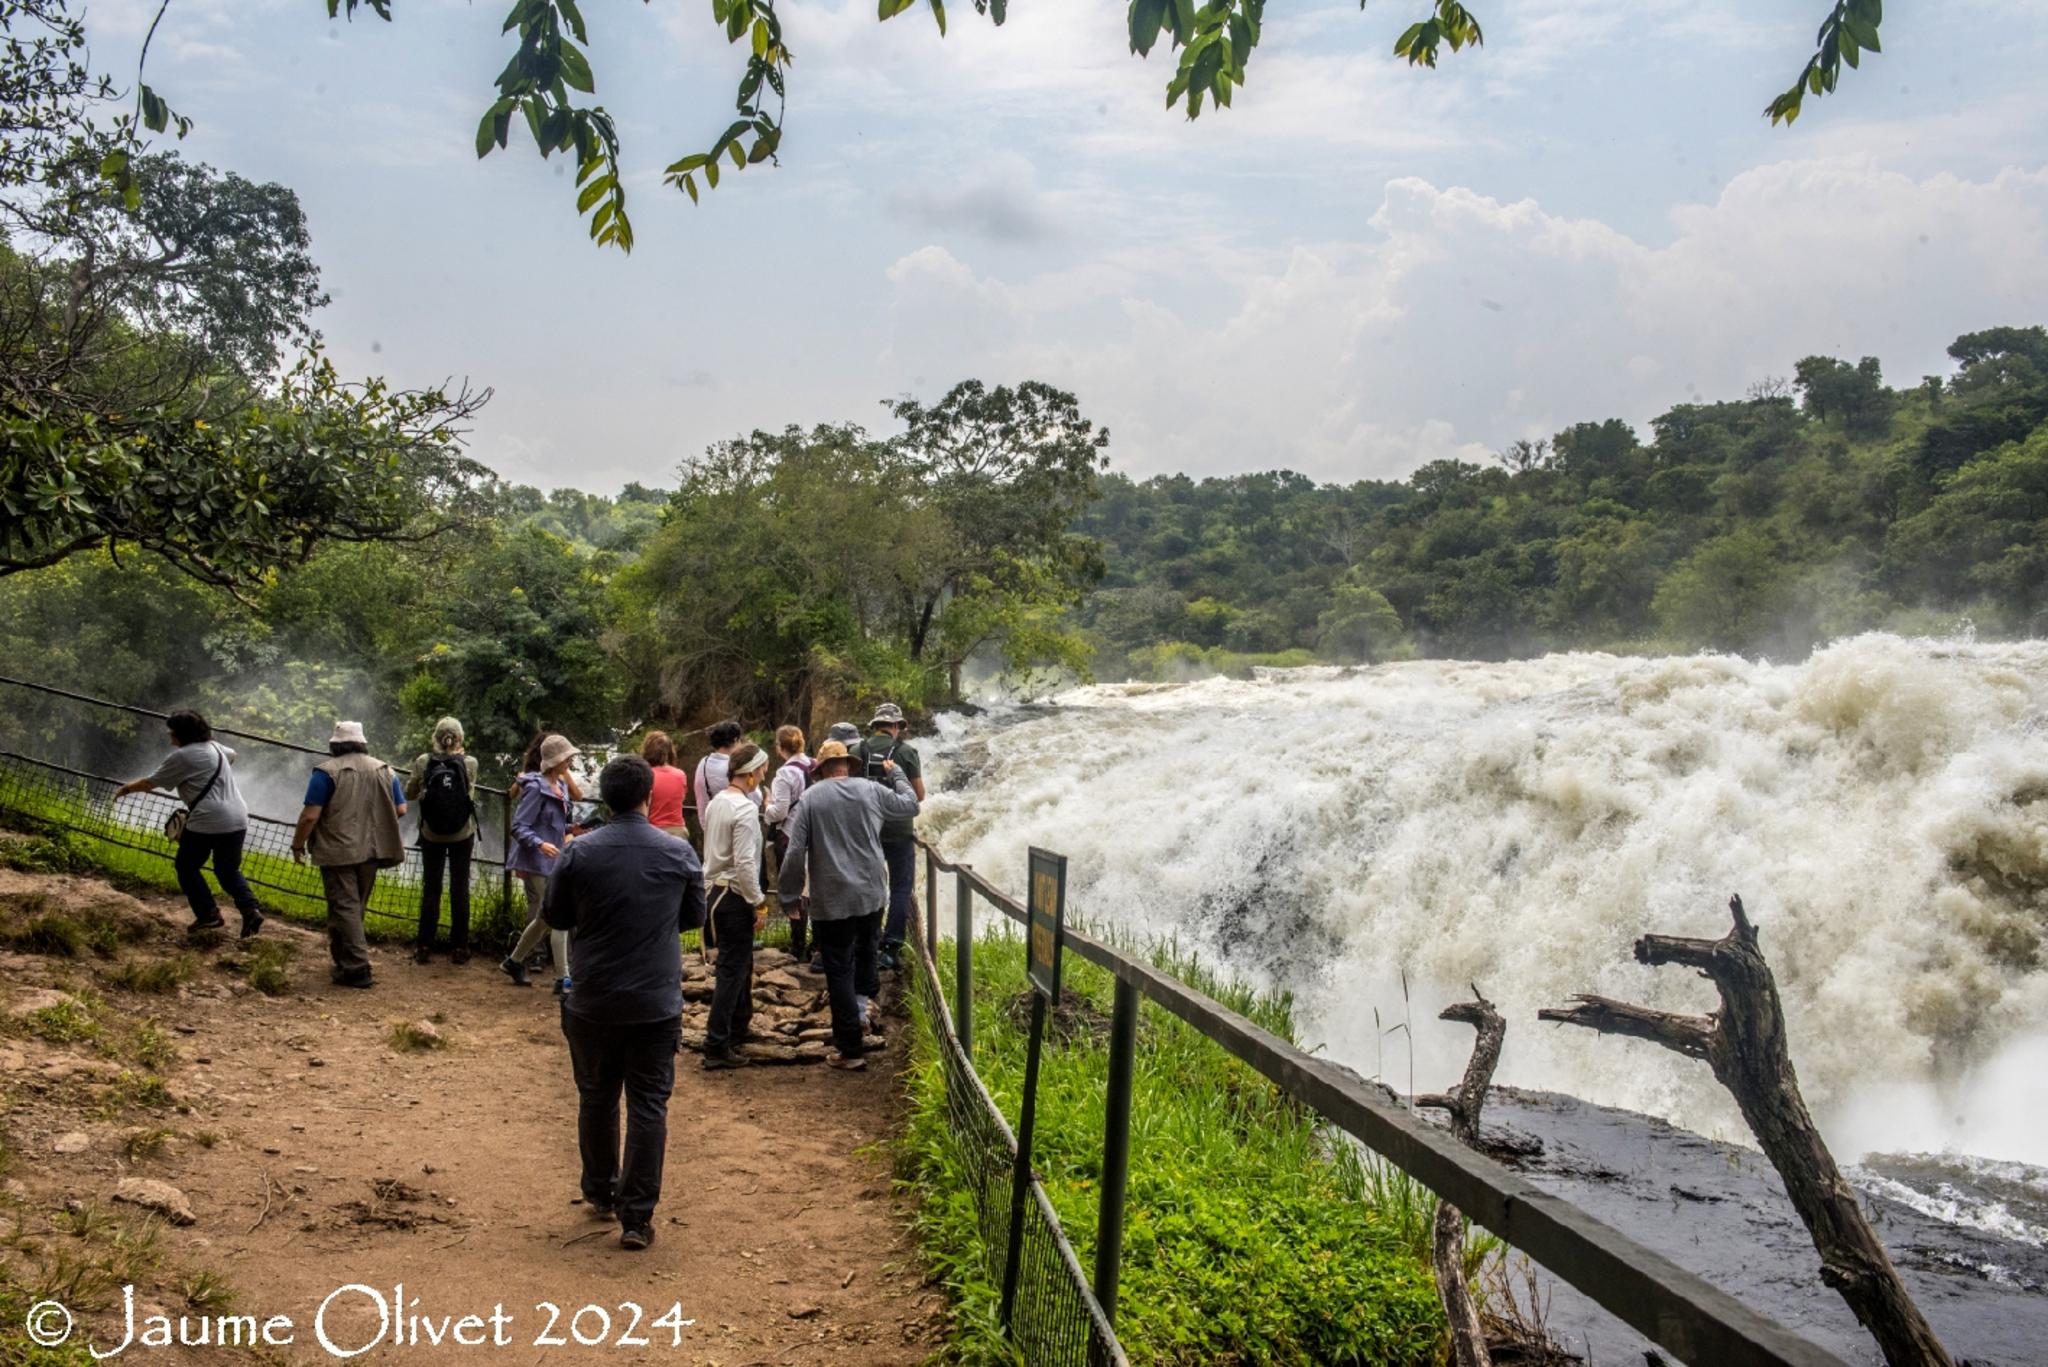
{"x": 1116, "y": 1147}
{"x": 963, "y": 962}
{"x": 931, "y": 898}
{"x": 1020, "y": 1175}
{"x": 505, "y": 871}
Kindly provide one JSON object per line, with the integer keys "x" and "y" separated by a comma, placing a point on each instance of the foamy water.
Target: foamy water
{"x": 1882, "y": 808}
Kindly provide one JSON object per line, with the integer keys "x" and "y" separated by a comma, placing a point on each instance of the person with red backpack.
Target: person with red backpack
{"x": 443, "y": 783}
{"x": 792, "y": 776}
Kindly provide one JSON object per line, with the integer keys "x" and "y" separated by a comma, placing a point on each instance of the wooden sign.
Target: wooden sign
{"x": 1048, "y": 907}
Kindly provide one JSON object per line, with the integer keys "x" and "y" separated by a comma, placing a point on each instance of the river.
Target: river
{"x": 1374, "y": 840}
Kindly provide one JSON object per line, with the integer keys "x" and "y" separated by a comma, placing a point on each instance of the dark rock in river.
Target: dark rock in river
{"x": 1718, "y": 1210}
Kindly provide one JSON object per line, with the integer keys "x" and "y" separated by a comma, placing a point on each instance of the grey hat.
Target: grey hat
{"x": 845, "y": 732}
{"x": 888, "y": 714}
{"x": 347, "y": 733}
{"x": 556, "y": 750}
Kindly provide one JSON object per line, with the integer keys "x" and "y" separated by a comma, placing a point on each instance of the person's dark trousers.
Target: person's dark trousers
{"x": 452, "y": 855}
{"x": 902, "y": 857}
{"x": 732, "y": 991}
{"x": 195, "y": 848}
{"x": 867, "y": 968}
{"x": 639, "y": 1060}
{"x": 836, "y": 944}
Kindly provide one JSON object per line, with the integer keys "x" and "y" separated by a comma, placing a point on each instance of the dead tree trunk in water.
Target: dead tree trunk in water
{"x": 1744, "y": 1043}
{"x": 1468, "y": 1336}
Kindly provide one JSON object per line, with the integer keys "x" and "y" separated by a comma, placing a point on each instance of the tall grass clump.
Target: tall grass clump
{"x": 1253, "y": 1233}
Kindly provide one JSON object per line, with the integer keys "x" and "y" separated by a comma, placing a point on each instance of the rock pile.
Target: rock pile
{"x": 792, "y": 1022}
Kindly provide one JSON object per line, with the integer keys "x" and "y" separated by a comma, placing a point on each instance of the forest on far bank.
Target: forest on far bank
{"x": 1825, "y": 504}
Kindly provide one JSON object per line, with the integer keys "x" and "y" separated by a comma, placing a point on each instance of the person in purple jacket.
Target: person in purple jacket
{"x": 540, "y": 829}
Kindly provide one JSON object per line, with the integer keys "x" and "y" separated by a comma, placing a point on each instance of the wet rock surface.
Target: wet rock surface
{"x": 1718, "y": 1210}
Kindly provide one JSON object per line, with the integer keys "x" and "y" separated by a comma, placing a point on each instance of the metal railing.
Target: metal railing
{"x": 136, "y": 823}
{"x": 1056, "y": 1318}
{"x": 1676, "y": 1309}
{"x": 55, "y": 795}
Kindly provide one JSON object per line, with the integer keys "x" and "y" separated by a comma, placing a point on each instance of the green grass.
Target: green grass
{"x": 157, "y": 977}
{"x": 1253, "y": 1233}
{"x": 270, "y": 967}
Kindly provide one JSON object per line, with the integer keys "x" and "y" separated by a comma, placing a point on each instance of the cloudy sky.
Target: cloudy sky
{"x": 1358, "y": 268}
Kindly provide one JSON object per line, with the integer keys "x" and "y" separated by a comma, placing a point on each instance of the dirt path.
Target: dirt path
{"x": 318, "y": 1154}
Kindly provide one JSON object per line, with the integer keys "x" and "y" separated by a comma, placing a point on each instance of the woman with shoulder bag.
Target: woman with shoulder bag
{"x": 213, "y": 825}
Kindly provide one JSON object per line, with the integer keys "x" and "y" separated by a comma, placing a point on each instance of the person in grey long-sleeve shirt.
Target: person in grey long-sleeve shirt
{"x": 624, "y": 893}
{"x": 835, "y": 859}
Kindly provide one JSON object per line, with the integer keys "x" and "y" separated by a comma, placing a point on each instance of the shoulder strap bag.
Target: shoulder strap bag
{"x": 174, "y": 824}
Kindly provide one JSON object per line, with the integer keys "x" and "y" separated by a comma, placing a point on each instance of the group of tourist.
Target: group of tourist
{"x": 829, "y": 836}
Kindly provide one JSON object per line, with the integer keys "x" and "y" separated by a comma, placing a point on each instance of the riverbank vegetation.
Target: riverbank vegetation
{"x": 804, "y": 573}
{"x": 1252, "y": 1235}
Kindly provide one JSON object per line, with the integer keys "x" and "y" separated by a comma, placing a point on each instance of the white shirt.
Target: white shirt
{"x": 732, "y": 845}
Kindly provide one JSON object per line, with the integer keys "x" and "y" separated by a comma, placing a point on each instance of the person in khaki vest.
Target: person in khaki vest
{"x": 349, "y": 827}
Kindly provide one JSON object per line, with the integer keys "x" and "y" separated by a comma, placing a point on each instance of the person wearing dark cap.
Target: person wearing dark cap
{"x": 883, "y": 748}
{"x": 835, "y": 861}
{"x": 623, "y": 893}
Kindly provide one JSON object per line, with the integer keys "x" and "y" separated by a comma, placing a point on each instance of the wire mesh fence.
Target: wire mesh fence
{"x": 56, "y": 796}
{"x": 1056, "y": 1319}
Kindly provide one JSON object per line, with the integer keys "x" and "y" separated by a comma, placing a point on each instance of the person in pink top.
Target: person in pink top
{"x": 671, "y": 786}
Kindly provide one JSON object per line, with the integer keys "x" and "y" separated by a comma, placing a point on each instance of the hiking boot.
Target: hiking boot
{"x": 458, "y": 956}
{"x": 200, "y": 927}
{"x": 252, "y": 921}
{"x": 887, "y": 959}
{"x": 359, "y": 978}
{"x": 847, "y": 1063}
{"x": 423, "y": 955}
{"x": 603, "y": 1210}
{"x": 516, "y": 971}
{"x": 635, "y": 1239}
{"x": 724, "y": 1059}
{"x": 561, "y": 987}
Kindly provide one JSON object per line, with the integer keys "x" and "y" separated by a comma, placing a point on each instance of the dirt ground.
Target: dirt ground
{"x": 316, "y": 1152}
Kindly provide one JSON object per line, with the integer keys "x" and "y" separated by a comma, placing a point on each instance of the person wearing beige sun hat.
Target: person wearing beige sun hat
{"x": 540, "y": 831}
{"x": 349, "y": 828}
{"x": 835, "y": 860}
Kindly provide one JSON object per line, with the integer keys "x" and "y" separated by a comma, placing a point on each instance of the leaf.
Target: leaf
{"x": 576, "y": 70}
{"x": 690, "y": 185}
{"x": 760, "y": 37}
{"x": 939, "y": 13}
{"x": 593, "y": 192}
{"x": 1146, "y": 18}
{"x": 490, "y": 129}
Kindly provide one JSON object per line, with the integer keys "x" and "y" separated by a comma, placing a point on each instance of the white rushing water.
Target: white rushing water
{"x": 1882, "y": 808}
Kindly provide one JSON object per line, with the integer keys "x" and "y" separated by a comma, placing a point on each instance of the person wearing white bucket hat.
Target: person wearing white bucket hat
{"x": 349, "y": 828}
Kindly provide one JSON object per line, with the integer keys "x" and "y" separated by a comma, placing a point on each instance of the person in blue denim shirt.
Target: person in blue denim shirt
{"x": 540, "y": 831}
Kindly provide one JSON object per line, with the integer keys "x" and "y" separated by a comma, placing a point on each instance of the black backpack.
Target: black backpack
{"x": 871, "y": 760}
{"x": 445, "y": 803}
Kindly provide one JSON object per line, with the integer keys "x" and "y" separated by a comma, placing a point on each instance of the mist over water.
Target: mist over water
{"x": 1882, "y": 808}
